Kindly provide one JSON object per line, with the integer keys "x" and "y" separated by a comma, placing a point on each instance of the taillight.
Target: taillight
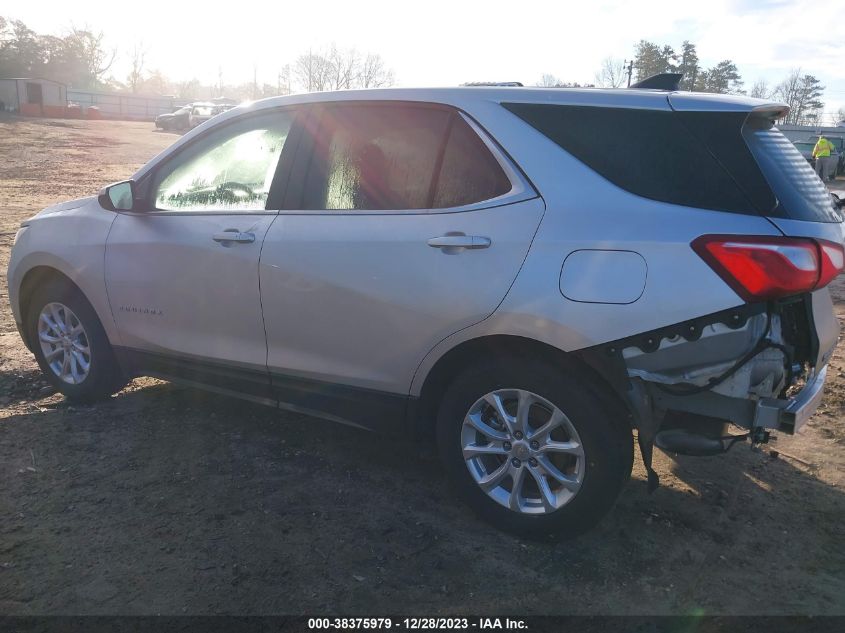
{"x": 833, "y": 261}
{"x": 760, "y": 268}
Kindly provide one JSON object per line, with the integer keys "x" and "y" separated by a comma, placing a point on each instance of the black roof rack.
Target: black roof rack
{"x": 661, "y": 81}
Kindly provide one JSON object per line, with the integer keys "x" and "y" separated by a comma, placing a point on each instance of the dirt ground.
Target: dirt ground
{"x": 166, "y": 500}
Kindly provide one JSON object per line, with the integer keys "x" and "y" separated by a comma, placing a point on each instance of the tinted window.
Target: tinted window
{"x": 395, "y": 157}
{"x": 469, "y": 172}
{"x": 650, "y": 153}
{"x": 801, "y": 194}
{"x": 230, "y": 168}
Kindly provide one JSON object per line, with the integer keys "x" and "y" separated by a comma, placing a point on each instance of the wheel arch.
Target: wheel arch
{"x": 587, "y": 363}
{"x": 32, "y": 279}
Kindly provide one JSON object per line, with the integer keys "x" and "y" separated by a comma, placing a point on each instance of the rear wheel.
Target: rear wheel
{"x": 70, "y": 344}
{"x": 533, "y": 449}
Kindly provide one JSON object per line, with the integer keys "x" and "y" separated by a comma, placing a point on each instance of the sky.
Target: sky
{"x": 446, "y": 43}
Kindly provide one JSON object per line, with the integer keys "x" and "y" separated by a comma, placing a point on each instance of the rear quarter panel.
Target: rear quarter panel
{"x": 585, "y": 211}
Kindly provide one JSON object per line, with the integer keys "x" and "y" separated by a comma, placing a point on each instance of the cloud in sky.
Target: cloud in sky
{"x": 446, "y": 43}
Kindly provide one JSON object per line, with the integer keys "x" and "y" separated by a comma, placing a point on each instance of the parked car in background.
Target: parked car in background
{"x": 467, "y": 265}
{"x": 179, "y": 119}
{"x": 202, "y": 112}
{"x": 189, "y": 116}
{"x": 221, "y": 108}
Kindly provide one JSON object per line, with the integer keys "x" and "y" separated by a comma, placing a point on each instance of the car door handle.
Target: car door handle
{"x": 234, "y": 236}
{"x": 459, "y": 241}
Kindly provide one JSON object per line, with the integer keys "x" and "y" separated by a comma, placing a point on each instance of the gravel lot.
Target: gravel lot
{"x": 166, "y": 500}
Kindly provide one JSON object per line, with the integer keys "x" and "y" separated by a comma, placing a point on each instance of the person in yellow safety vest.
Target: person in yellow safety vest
{"x": 821, "y": 152}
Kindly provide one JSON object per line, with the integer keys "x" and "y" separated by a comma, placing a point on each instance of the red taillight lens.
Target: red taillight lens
{"x": 833, "y": 261}
{"x": 763, "y": 268}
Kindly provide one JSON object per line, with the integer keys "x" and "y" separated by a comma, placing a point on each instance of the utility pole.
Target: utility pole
{"x": 629, "y": 69}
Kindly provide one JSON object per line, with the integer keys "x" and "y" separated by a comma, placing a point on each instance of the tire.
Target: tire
{"x": 103, "y": 376}
{"x": 591, "y": 422}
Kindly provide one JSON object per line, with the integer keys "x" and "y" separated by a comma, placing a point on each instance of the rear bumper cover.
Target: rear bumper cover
{"x": 790, "y": 415}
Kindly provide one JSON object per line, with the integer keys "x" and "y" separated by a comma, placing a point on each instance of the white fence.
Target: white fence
{"x": 803, "y": 132}
{"x": 123, "y": 106}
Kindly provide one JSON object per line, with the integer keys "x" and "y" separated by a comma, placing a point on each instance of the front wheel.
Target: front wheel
{"x": 532, "y": 448}
{"x": 70, "y": 344}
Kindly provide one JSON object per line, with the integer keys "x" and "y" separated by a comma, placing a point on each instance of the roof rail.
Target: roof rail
{"x": 507, "y": 84}
{"x": 661, "y": 81}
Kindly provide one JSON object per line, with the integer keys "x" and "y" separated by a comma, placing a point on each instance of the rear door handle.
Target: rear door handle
{"x": 459, "y": 241}
{"x": 234, "y": 236}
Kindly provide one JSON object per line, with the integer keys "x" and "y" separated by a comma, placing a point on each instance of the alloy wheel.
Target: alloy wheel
{"x": 522, "y": 451}
{"x": 64, "y": 343}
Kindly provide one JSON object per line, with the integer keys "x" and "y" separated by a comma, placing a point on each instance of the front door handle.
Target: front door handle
{"x": 459, "y": 241}
{"x": 234, "y": 236}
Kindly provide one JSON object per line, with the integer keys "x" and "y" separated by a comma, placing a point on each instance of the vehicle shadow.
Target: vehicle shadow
{"x": 170, "y": 500}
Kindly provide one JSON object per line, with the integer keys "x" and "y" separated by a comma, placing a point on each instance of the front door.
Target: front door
{"x": 408, "y": 227}
{"x": 182, "y": 271}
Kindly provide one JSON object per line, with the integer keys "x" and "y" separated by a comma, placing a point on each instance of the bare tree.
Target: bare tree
{"x": 760, "y": 90}
{"x": 188, "y": 89}
{"x": 90, "y": 46}
{"x": 611, "y": 74}
{"x": 342, "y": 68}
{"x": 156, "y": 83}
{"x": 313, "y": 71}
{"x": 137, "y": 71}
{"x": 283, "y": 86}
{"x": 802, "y": 93}
{"x": 339, "y": 69}
{"x": 549, "y": 81}
{"x": 374, "y": 73}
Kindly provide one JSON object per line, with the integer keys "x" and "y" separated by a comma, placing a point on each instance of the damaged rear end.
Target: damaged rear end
{"x": 761, "y": 365}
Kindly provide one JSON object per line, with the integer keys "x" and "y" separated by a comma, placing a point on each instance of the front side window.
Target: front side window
{"x": 229, "y": 169}
{"x": 399, "y": 157}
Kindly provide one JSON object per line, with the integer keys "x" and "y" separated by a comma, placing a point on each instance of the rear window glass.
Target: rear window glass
{"x": 650, "y": 153}
{"x": 800, "y": 193}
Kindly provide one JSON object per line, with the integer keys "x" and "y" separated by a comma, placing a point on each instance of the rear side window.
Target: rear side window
{"x": 399, "y": 157}
{"x": 801, "y": 194}
{"x": 650, "y": 153}
{"x": 470, "y": 173}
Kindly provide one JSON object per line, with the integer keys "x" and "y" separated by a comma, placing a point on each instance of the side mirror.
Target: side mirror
{"x": 118, "y": 197}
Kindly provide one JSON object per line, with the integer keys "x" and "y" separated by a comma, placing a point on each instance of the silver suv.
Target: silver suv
{"x": 525, "y": 275}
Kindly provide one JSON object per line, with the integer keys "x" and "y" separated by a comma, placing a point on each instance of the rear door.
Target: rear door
{"x": 404, "y": 223}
